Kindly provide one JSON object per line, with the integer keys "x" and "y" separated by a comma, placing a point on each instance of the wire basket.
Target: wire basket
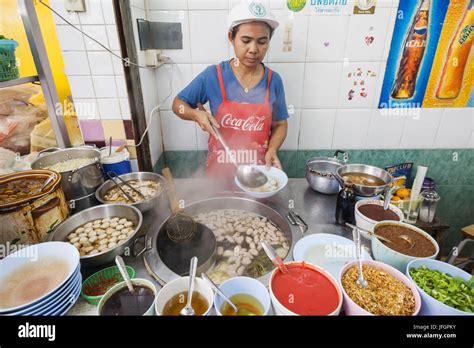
{"x": 8, "y": 66}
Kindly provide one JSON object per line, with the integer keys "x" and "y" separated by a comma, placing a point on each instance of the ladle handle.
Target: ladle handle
{"x": 221, "y": 139}
{"x": 172, "y": 196}
{"x": 192, "y": 278}
{"x": 123, "y": 272}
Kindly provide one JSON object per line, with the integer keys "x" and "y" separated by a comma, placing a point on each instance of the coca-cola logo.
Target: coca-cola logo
{"x": 250, "y": 124}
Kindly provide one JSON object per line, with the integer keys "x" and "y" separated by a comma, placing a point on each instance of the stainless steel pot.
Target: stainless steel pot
{"x": 82, "y": 203}
{"x": 163, "y": 274}
{"x": 364, "y": 190}
{"x": 320, "y": 172}
{"x": 143, "y": 206}
{"x": 100, "y": 212}
{"x": 79, "y": 182}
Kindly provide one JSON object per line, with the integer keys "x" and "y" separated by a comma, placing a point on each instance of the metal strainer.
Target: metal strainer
{"x": 180, "y": 226}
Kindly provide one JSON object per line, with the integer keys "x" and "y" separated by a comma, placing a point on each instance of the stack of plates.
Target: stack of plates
{"x": 42, "y": 279}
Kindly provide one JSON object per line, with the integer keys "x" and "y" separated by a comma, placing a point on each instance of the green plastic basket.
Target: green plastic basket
{"x": 103, "y": 276}
{"x": 8, "y": 66}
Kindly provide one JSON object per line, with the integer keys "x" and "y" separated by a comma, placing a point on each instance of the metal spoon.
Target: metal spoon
{"x": 123, "y": 272}
{"x": 219, "y": 291}
{"x": 354, "y": 227}
{"x": 248, "y": 175}
{"x": 45, "y": 183}
{"x": 272, "y": 255}
{"x": 188, "y": 309}
{"x": 360, "y": 280}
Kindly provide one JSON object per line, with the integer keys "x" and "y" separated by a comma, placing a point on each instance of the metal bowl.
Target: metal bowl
{"x": 363, "y": 190}
{"x": 320, "y": 173}
{"x": 100, "y": 212}
{"x": 143, "y": 206}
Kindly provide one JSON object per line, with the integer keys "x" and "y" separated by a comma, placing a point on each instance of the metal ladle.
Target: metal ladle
{"x": 219, "y": 292}
{"x": 360, "y": 280}
{"x": 248, "y": 175}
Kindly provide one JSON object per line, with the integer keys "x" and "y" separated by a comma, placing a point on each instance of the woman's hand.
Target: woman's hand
{"x": 204, "y": 120}
{"x": 271, "y": 159}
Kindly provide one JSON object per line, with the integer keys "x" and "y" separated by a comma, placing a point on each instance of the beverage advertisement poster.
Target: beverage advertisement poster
{"x": 451, "y": 82}
{"x": 415, "y": 39}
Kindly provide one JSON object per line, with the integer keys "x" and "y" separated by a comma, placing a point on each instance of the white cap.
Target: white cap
{"x": 251, "y": 11}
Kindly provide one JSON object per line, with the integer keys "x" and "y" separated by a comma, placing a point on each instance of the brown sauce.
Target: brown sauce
{"x": 19, "y": 189}
{"x": 124, "y": 302}
{"x": 377, "y": 212}
{"x": 363, "y": 179}
{"x": 423, "y": 246}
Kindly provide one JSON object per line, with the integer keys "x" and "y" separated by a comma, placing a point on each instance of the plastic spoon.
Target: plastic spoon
{"x": 123, "y": 272}
{"x": 221, "y": 294}
{"x": 272, "y": 255}
{"x": 188, "y": 309}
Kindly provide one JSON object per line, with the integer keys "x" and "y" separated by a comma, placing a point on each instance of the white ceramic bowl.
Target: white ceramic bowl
{"x": 121, "y": 285}
{"x": 352, "y": 308}
{"x": 243, "y": 285}
{"x": 393, "y": 258}
{"x": 329, "y": 251}
{"x": 430, "y": 305}
{"x": 14, "y": 262}
{"x": 275, "y": 173}
{"x": 179, "y": 285}
{"x": 366, "y": 223}
{"x": 280, "y": 309}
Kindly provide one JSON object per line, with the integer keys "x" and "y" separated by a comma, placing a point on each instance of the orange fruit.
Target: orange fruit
{"x": 396, "y": 198}
{"x": 403, "y": 193}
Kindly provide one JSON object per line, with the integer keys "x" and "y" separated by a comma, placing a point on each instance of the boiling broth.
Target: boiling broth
{"x": 363, "y": 179}
{"x": 178, "y": 302}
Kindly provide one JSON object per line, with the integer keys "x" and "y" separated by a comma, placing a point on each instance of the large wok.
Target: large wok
{"x": 163, "y": 274}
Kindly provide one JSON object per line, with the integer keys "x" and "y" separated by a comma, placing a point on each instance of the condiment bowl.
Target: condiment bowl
{"x": 275, "y": 173}
{"x": 394, "y": 258}
{"x": 367, "y": 223}
{"x": 352, "y": 308}
{"x": 430, "y": 305}
{"x": 122, "y": 285}
{"x": 280, "y": 309}
{"x": 179, "y": 285}
{"x": 243, "y": 285}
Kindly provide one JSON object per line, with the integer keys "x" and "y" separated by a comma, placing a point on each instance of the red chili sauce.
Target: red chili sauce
{"x": 305, "y": 291}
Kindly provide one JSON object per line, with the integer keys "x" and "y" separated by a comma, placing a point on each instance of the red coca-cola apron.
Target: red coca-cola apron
{"x": 245, "y": 128}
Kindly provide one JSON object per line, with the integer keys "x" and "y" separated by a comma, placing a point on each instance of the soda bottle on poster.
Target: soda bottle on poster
{"x": 456, "y": 60}
{"x": 413, "y": 51}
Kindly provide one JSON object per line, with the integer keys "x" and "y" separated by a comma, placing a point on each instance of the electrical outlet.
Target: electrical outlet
{"x": 75, "y": 5}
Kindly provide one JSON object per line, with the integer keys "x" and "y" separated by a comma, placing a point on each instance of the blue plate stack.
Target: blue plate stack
{"x": 59, "y": 299}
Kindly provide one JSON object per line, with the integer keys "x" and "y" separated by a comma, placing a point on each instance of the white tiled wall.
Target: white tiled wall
{"x": 94, "y": 74}
{"x": 325, "y": 49}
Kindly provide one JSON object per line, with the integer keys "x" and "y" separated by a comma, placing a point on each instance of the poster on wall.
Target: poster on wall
{"x": 451, "y": 82}
{"x": 331, "y": 7}
{"x": 415, "y": 39}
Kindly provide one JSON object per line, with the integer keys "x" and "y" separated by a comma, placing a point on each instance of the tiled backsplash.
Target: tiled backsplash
{"x": 327, "y": 54}
{"x": 96, "y": 77}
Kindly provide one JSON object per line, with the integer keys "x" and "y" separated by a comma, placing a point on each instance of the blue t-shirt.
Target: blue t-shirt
{"x": 205, "y": 88}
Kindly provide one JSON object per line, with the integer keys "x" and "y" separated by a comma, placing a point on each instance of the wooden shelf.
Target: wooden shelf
{"x": 19, "y": 81}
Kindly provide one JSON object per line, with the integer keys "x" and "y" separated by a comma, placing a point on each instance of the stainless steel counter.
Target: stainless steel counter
{"x": 316, "y": 209}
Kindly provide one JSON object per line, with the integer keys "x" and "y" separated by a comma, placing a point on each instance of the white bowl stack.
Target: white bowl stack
{"x": 60, "y": 299}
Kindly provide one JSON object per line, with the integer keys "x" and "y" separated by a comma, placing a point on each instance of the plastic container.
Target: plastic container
{"x": 118, "y": 162}
{"x": 428, "y": 206}
{"x": 101, "y": 276}
{"x": 8, "y": 66}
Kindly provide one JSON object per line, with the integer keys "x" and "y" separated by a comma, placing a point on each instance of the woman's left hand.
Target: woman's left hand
{"x": 271, "y": 159}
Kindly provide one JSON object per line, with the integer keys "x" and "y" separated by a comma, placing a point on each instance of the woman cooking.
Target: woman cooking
{"x": 246, "y": 98}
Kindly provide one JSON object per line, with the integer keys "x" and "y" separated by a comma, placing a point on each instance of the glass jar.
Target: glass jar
{"x": 428, "y": 206}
